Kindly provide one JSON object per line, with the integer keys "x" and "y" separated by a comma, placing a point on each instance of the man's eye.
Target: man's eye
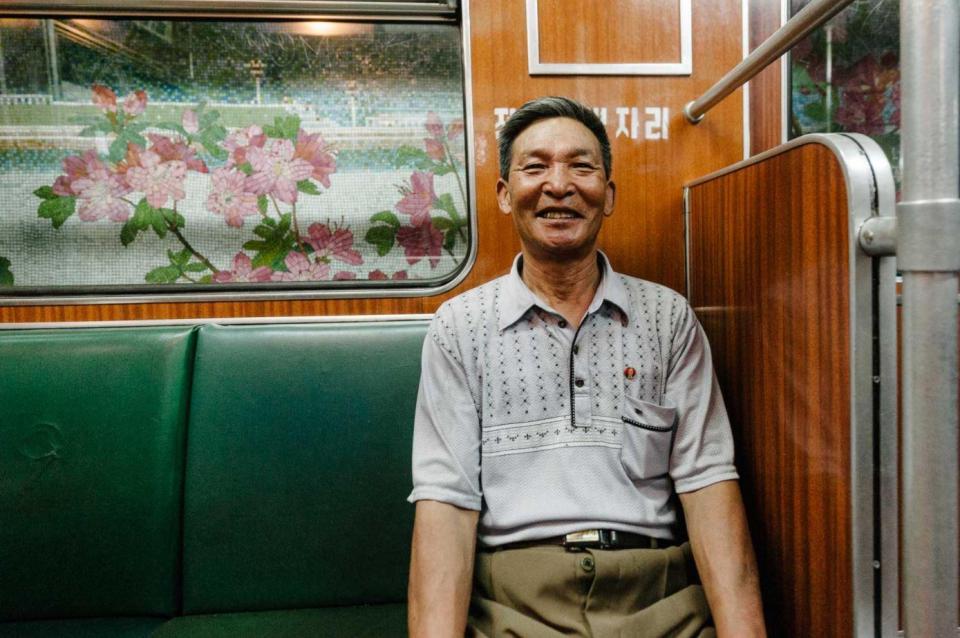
{"x": 532, "y": 168}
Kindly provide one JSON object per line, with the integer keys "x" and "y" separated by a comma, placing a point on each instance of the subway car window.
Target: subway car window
{"x": 199, "y": 155}
{"x": 845, "y": 76}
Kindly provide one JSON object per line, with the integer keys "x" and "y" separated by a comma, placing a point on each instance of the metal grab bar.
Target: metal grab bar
{"x": 806, "y": 20}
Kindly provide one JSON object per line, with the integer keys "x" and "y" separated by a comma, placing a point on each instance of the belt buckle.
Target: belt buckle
{"x": 602, "y": 538}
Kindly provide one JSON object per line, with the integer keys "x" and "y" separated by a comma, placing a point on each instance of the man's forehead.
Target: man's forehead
{"x": 561, "y": 136}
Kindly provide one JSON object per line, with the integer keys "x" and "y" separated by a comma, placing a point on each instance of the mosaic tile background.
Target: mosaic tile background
{"x": 386, "y": 101}
{"x": 845, "y": 76}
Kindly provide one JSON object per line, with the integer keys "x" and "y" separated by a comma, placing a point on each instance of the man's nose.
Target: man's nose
{"x": 557, "y": 181}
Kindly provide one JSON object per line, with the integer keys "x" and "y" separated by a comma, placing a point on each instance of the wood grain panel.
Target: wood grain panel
{"x": 645, "y": 235}
{"x": 770, "y": 282}
{"x": 766, "y": 127}
{"x": 599, "y": 31}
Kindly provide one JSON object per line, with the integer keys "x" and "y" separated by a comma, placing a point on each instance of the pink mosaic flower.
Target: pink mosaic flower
{"x": 243, "y": 270}
{"x": 105, "y": 98}
{"x": 302, "y": 269}
{"x": 77, "y": 167}
{"x": 135, "y": 103}
{"x": 100, "y": 195}
{"x": 343, "y": 275}
{"x": 434, "y": 125}
{"x": 170, "y": 150}
{"x": 421, "y": 241}
{"x": 455, "y": 128}
{"x": 313, "y": 149}
{"x": 189, "y": 121}
{"x": 229, "y": 197}
{"x": 418, "y": 199}
{"x": 376, "y": 275}
{"x": 434, "y": 149}
{"x": 239, "y": 141}
{"x": 337, "y": 243}
{"x": 157, "y": 179}
{"x": 276, "y": 170}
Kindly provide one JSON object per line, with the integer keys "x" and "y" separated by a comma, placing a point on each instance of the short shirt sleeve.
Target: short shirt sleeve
{"x": 446, "y": 434}
{"x": 703, "y": 449}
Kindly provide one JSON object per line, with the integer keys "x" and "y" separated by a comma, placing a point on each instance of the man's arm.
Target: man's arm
{"x": 441, "y": 569}
{"x": 722, "y": 550}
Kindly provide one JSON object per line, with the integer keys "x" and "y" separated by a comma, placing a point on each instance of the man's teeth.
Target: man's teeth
{"x": 557, "y": 215}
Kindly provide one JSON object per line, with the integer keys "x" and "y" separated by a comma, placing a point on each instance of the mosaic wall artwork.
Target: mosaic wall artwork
{"x": 140, "y": 153}
{"x": 846, "y": 76}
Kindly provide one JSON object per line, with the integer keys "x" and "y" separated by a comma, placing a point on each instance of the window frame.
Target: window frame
{"x": 417, "y": 12}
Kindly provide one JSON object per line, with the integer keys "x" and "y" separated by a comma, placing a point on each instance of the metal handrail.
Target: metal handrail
{"x": 797, "y": 28}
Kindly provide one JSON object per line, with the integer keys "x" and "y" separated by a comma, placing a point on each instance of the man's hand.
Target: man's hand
{"x": 441, "y": 569}
{"x": 722, "y": 550}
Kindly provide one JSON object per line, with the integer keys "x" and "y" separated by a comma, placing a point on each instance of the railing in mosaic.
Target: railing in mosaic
{"x": 196, "y": 155}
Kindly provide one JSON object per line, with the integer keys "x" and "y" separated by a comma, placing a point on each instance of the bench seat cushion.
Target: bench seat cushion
{"x": 92, "y": 430}
{"x": 85, "y": 628}
{"x": 298, "y": 466}
{"x": 362, "y": 621}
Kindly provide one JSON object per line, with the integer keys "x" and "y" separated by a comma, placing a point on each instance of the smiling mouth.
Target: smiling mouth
{"x": 554, "y": 213}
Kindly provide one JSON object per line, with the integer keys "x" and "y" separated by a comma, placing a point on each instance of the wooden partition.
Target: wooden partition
{"x": 801, "y": 323}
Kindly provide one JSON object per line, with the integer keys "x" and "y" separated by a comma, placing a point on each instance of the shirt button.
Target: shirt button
{"x": 587, "y": 563}
{"x": 578, "y": 383}
{"x": 563, "y": 323}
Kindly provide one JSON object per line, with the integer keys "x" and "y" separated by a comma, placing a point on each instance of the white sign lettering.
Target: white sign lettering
{"x": 653, "y": 124}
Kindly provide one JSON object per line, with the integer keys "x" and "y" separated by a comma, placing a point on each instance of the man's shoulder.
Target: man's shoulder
{"x": 642, "y": 290}
{"x": 474, "y": 299}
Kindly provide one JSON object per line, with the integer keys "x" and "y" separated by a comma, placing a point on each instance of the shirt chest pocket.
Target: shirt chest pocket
{"x": 647, "y": 438}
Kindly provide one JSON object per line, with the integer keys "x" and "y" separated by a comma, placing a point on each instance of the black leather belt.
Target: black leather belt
{"x": 592, "y": 539}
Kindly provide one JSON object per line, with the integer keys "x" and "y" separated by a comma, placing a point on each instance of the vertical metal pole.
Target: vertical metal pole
{"x": 928, "y": 232}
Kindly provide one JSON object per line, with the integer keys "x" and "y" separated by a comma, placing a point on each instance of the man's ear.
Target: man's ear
{"x": 503, "y": 197}
{"x": 610, "y": 199}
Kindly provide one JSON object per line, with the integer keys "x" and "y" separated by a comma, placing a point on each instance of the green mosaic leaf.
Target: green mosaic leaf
{"x": 277, "y": 242}
{"x": 442, "y": 223}
{"x": 173, "y": 217}
{"x": 387, "y": 217}
{"x": 383, "y": 237}
{"x": 445, "y": 203}
{"x": 412, "y": 156}
{"x": 129, "y": 232}
{"x": 45, "y": 192}
{"x": 179, "y": 258}
{"x": 163, "y": 275}
{"x": 195, "y": 267}
{"x": 262, "y": 205}
{"x": 450, "y": 239}
{"x": 308, "y": 187}
{"x": 6, "y": 276}
{"x": 57, "y": 210}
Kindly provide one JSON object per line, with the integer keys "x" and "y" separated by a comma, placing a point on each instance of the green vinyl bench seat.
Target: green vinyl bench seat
{"x": 207, "y": 480}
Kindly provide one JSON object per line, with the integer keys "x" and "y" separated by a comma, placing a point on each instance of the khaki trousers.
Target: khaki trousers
{"x": 548, "y": 591}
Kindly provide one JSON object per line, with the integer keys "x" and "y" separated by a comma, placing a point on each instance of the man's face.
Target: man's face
{"x": 557, "y": 190}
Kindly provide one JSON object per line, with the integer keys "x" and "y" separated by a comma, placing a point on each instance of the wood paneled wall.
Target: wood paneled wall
{"x": 766, "y": 115}
{"x": 645, "y": 235}
{"x": 770, "y": 283}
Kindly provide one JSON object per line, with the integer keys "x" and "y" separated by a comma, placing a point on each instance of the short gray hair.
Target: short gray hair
{"x": 544, "y": 108}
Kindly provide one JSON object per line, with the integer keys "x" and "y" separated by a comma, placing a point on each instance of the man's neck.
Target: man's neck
{"x": 568, "y": 286}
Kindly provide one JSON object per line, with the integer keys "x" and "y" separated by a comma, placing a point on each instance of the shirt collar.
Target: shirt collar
{"x": 517, "y": 298}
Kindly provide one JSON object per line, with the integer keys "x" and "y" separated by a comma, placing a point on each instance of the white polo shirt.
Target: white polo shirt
{"x": 547, "y": 429}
